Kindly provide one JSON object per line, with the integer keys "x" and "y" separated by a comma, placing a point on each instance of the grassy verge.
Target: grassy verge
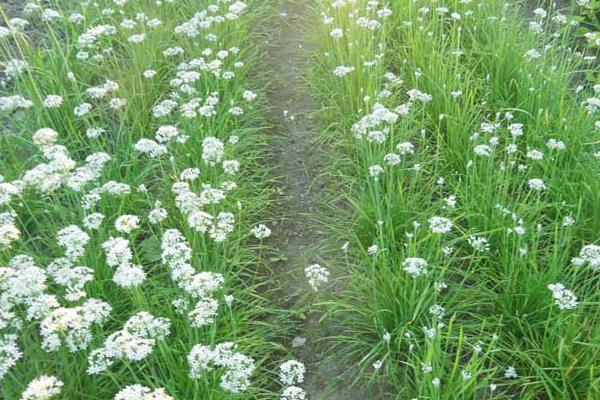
{"x": 473, "y": 165}
{"x": 149, "y": 128}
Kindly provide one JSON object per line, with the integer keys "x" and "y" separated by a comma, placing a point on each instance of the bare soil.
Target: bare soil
{"x": 299, "y": 164}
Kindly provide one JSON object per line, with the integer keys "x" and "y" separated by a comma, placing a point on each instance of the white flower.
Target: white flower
{"x": 128, "y": 276}
{"x": 450, "y": 201}
{"x": 540, "y": 13}
{"x": 134, "y": 342}
{"x": 73, "y": 240}
{"x": 479, "y": 243}
{"x": 93, "y": 221}
{"x": 375, "y": 171}
{"x": 426, "y": 368}
{"x": 166, "y": 133}
{"x": 238, "y": 367}
{"x": 117, "y": 103}
{"x": 440, "y": 225}
{"x": 53, "y": 101}
{"x": 249, "y": 95}
{"x": 556, "y": 144}
{"x": 337, "y": 33}
{"x": 127, "y": 223}
{"x": 82, "y": 109}
{"x": 588, "y": 255}
{"x": 392, "y": 159}
{"x": 415, "y": 266}
{"x": 536, "y": 184}
{"x": 316, "y": 275}
{"x": 483, "y": 150}
{"x": 45, "y": 137}
{"x": 437, "y": 311}
{"x": 138, "y": 38}
{"x": 150, "y": 147}
{"x": 342, "y": 70}
{"x": 532, "y": 54}
{"x": 204, "y": 312}
{"x": 231, "y": 167}
{"x": 563, "y": 298}
{"x": 42, "y": 388}
{"x": 372, "y": 249}
{"x": 93, "y": 133}
{"x": 261, "y": 231}
{"x": 139, "y": 392}
{"x": 9, "y": 352}
{"x": 291, "y": 372}
{"x": 158, "y": 214}
{"x": 212, "y": 151}
{"x": 535, "y": 155}
{"x": 293, "y": 393}
{"x": 387, "y": 337}
{"x": 200, "y": 221}
{"x": 117, "y": 251}
{"x": 511, "y": 373}
{"x": 417, "y": 95}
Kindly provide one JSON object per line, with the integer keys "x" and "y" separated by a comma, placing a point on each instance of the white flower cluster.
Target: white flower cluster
{"x": 15, "y": 102}
{"x": 134, "y": 342}
{"x": 140, "y": 392}
{"x": 370, "y": 126}
{"x": 291, "y": 374}
{"x": 440, "y": 225}
{"x": 21, "y": 282}
{"x": 203, "y": 21}
{"x": 479, "y": 243}
{"x": 238, "y": 367}
{"x": 218, "y": 226}
{"x": 73, "y": 278}
{"x": 316, "y": 275}
{"x": 213, "y": 151}
{"x": 164, "y": 135}
{"x": 261, "y": 231}
{"x": 9, "y": 353}
{"x": 65, "y": 175}
{"x": 9, "y": 232}
{"x": 61, "y": 169}
{"x": 42, "y": 388}
{"x": 177, "y": 253}
{"x": 588, "y": 255}
{"x": 119, "y": 256}
{"x": 73, "y": 325}
{"x": 415, "y": 266}
{"x": 563, "y": 298}
{"x": 73, "y": 239}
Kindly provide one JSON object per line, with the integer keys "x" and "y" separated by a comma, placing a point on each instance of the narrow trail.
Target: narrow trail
{"x": 299, "y": 165}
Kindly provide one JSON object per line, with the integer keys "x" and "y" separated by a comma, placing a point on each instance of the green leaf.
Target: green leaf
{"x": 151, "y": 249}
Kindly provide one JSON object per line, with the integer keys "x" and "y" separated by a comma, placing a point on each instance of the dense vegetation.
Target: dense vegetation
{"x": 137, "y": 192}
{"x": 472, "y": 159}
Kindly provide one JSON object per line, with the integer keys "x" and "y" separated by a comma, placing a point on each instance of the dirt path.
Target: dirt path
{"x": 299, "y": 164}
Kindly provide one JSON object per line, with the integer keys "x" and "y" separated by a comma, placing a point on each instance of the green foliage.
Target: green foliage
{"x": 499, "y": 312}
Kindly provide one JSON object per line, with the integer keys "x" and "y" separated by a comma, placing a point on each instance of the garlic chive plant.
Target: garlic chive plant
{"x": 131, "y": 179}
{"x": 468, "y": 134}
{"x": 135, "y": 171}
